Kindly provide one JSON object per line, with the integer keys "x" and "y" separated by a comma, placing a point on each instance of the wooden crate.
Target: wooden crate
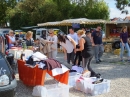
{"x": 108, "y": 48}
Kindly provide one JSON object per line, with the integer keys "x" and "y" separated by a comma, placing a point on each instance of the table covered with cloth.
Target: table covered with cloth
{"x": 36, "y": 76}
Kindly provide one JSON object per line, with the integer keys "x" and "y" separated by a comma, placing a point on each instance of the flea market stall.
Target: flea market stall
{"x": 113, "y": 30}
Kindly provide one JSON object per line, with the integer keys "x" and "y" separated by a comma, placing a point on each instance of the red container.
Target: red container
{"x": 35, "y": 76}
{"x": 31, "y": 76}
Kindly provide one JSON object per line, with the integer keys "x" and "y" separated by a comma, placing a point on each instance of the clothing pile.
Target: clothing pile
{"x": 44, "y": 46}
{"x": 46, "y": 63}
{"x": 42, "y": 61}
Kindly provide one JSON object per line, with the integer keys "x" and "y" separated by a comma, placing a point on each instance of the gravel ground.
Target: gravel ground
{"x": 111, "y": 68}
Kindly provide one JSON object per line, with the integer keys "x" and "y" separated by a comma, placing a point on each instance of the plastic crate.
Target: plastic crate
{"x": 57, "y": 90}
{"x": 72, "y": 78}
{"x": 97, "y": 89}
{"x": 93, "y": 89}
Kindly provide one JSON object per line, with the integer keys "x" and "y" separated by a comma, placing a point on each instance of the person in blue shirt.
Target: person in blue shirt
{"x": 124, "y": 43}
{"x": 97, "y": 44}
{"x": 73, "y": 35}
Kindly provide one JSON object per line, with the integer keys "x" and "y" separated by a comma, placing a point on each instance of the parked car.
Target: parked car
{"x": 19, "y": 34}
{"x": 4, "y": 30}
{"x": 7, "y": 79}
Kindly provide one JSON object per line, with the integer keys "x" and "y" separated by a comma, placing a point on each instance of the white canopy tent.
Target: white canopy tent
{"x": 110, "y": 22}
{"x": 57, "y": 23}
{"x": 69, "y": 22}
{"x": 82, "y": 21}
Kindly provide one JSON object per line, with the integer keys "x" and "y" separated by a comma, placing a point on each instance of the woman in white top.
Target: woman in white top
{"x": 69, "y": 46}
{"x": 52, "y": 39}
{"x": 12, "y": 38}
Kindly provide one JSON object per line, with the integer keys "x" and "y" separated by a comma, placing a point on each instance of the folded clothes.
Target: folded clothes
{"x": 98, "y": 81}
{"x": 52, "y": 63}
{"x": 39, "y": 55}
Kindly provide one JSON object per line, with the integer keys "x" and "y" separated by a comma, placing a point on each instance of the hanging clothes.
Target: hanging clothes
{"x": 2, "y": 44}
{"x": 45, "y": 48}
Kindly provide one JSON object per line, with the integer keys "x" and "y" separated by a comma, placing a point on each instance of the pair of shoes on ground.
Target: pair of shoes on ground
{"x": 122, "y": 60}
{"x": 98, "y": 62}
{"x": 97, "y": 75}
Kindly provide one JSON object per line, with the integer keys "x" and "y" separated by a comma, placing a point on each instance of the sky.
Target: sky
{"x": 114, "y": 12}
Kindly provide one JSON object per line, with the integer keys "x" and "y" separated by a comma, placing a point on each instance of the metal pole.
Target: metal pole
{"x": 67, "y": 29}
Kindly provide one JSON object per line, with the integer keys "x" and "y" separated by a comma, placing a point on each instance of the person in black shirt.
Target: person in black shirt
{"x": 97, "y": 44}
{"x": 86, "y": 51}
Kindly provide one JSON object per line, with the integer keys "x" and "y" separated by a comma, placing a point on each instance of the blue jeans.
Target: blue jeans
{"x": 98, "y": 51}
{"x": 122, "y": 50}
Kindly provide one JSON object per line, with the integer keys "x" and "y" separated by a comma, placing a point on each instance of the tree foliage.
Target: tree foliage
{"x": 99, "y": 10}
{"x": 122, "y": 4}
{"x": 31, "y": 12}
{"x": 4, "y": 5}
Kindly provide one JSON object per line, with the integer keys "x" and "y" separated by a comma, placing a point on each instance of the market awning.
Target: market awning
{"x": 83, "y": 21}
{"x": 94, "y": 21}
{"x": 69, "y": 22}
{"x": 58, "y": 23}
{"x": 110, "y": 22}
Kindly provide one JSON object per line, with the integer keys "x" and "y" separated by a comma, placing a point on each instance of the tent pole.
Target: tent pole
{"x": 67, "y": 29}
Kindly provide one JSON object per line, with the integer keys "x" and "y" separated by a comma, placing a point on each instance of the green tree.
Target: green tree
{"x": 4, "y": 5}
{"x": 122, "y": 4}
{"x": 100, "y": 10}
{"x": 49, "y": 12}
{"x": 28, "y": 12}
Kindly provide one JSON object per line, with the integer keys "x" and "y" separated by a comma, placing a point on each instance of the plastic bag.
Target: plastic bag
{"x": 39, "y": 91}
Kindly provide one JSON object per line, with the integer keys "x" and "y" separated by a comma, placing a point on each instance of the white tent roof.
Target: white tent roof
{"x": 58, "y": 23}
{"x": 111, "y": 22}
{"x": 83, "y": 21}
{"x": 94, "y": 21}
{"x": 69, "y": 22}
{"x": 78, "y": 21}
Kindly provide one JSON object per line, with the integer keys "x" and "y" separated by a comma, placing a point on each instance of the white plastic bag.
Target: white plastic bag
{"x": 39, "y": 91}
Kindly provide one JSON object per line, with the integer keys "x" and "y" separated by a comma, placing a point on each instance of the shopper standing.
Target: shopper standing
{"x": 73, "y": 35}
{"x": 86, "y": 51}
{"x": 124, "y": 43}
{"x": 52, "y": 39}
{"x": 98, "y": 45}
{"x": 69, "y": 46}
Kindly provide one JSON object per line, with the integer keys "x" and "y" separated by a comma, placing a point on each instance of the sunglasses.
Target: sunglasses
{"x": 50, "y": 33}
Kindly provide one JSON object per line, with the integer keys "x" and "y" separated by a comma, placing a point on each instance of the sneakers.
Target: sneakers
{"x": 97, "y": 62}
{"x": 122, "y": 60}
{"x": 128, "y": 60}
{"x": 100, "y": 60}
